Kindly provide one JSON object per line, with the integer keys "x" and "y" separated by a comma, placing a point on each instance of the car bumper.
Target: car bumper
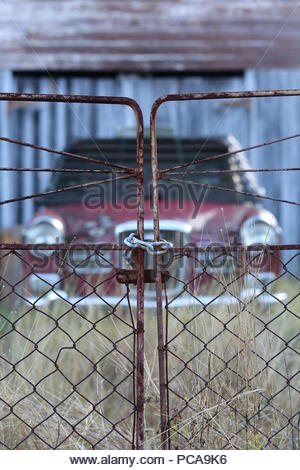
{"x": 247, "y": 296}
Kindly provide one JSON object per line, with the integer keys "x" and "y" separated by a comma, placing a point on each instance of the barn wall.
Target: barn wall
{"x": 7, "y": 186}
{"x": 149, "y": 35}
{"x": 58, "y": 124}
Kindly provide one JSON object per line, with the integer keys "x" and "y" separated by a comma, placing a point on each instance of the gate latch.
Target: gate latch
{"x": 129, "y": 276}
{"x": 152, "y": 247}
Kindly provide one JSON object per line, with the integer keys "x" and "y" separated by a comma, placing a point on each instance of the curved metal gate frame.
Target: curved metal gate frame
{"x": 157, "y": 175}
{"x": 138, "y": 432}
{"x": 138, "y": 173}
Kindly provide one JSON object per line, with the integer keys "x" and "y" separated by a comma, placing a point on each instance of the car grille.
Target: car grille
{"x": 215, "y": 262}
{"x": 84, "y": 262}
{"x": 215, "y": 270}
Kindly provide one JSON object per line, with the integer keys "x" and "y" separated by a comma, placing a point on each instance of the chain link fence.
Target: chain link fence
{"x": 68, "y": 355}
{"x": 71, "y": 343}
{"x": 228, "y": 324}
{"x": 232, "y": 356}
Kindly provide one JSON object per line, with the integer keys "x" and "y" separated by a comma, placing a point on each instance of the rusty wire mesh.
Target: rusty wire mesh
{"x": 228, "y": 335}
{"x": 68, "y": 357}
{"x": 232, "y": 356}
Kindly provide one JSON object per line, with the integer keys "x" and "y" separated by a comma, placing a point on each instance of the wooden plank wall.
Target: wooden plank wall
{"x": 7, "y": 181}
{"x": 56, "y": 125}
{"x": 149, "y": 35}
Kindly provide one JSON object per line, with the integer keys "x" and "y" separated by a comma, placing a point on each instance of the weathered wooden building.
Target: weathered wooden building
{"x": 143, "y": 49}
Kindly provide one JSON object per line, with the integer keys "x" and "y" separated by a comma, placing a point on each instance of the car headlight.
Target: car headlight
{"x": 259, "y": 230}
{"x": 45, "y": 230}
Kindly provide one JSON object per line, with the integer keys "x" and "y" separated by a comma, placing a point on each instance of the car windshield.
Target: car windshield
{"x": 171, "y": 152}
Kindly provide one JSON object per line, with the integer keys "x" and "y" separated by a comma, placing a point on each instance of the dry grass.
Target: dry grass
{"x": 70, "y": 351}
{"x": 227, "y": 386}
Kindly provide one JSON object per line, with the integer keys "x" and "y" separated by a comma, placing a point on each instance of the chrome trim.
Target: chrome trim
{"x": 165, "y": 224}
{"x": 181, "y": 301}
{"x": 57, "y": 223}
{"x": 264, "y": 277}
{"x": 51, "y": 278}
{"x": 204, "y": 261}
{"x": 88, "y": 264}
{"x": 41, "y": 282}
{"x": 265, "y": 217}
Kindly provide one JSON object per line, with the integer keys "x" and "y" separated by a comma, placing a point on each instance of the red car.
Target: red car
{"x": 190, "y": 215}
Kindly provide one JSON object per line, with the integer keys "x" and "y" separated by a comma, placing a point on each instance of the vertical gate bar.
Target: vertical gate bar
{"x": 167, "y": 365}
{"x": 160, "y": 323}
{"x": 140, "y": 282}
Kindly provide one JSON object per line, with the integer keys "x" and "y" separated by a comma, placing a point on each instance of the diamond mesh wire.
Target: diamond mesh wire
{"x": 67, "y": 357}
{"x": 232, "y": 356}
{"x": 71, "y": 345}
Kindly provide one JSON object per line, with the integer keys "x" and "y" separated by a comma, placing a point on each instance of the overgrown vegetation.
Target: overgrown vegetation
{"x": 67, "y": 378}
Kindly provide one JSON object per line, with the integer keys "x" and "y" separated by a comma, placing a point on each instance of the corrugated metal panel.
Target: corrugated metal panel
{"x": 149, "y": 35}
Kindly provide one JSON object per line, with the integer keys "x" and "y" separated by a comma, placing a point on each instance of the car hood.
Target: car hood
{"x": 211, "y": 221}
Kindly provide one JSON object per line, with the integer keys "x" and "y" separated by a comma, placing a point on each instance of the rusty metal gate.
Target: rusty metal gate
{"x": 81, "y": 372}
{"x": 51, "y": 408}
{"x": 205, "y": 389}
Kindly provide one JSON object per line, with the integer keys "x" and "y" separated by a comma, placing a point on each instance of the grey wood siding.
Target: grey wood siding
{"x": 59, "y": 124}
{"x": 8, "y": 214}
{"x": 149, "y": 35}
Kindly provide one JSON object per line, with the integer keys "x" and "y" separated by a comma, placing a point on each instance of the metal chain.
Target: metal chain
{"x": 150, "y": 246}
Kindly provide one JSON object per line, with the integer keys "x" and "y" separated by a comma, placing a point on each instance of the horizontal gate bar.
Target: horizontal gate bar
{"x": 114, "y": 247}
